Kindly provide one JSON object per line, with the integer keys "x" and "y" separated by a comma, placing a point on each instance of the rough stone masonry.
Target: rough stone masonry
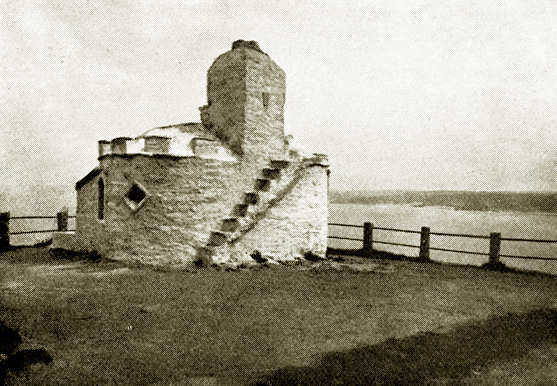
{"x": 215, "y": 191}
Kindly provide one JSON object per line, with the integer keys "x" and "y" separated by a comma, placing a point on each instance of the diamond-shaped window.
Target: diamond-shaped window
{"x": 136, "y": 196}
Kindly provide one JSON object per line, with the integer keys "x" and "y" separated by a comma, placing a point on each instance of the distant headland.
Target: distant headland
{"x": 458, "y": 200}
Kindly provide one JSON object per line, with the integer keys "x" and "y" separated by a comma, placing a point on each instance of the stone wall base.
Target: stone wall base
{"x": 69, "y": 241}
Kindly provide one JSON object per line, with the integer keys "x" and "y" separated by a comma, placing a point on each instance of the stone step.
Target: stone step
{"x": 205, "y": 256}
{"x": 279, "y": 163}
{"x": 230, "y": 224}
{"x": 240, "y": 210}
{"x": 271, "y": 174}
{"x": 251, "y": 198}
{"x": 263, "y": 184}
{"x": 217, "y": 238}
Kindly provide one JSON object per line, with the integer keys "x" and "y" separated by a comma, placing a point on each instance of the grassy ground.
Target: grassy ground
{"x": 403, "y": 322}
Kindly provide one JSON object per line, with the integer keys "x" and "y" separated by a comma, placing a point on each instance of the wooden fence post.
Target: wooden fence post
{"x": 368, "y": 238}
{"x": 494, "y": 248}
{"x": 62, "y": 219}
{"x": 4, "y": 230}
{"x": 424, "y": 244}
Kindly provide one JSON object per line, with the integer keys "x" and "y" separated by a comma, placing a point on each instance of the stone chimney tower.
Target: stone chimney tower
{"x": 245, "y": 106}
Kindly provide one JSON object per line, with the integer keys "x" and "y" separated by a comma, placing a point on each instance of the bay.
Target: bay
{"x": 535, "y": 225}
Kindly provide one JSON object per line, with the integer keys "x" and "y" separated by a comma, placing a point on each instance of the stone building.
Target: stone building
{"x": 215, "y": 191}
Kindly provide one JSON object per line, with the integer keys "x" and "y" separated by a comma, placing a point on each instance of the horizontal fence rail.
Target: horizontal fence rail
{"x": 35, "y": 217}
{"x": 425, "y": 234}
{"x": 37, "y": 231}
{"x": 529, "y": 240}
{"x": 396, "y": 230}
{"x": 346, "y": 225}
{"x": 5, "y": 218}
{"x": 399, "y": 244}
{"x": 30, "y": 217}
{"x": 471, "y": 236}
{"x": 345, "y": 238}
{"x": 459, "y": 251}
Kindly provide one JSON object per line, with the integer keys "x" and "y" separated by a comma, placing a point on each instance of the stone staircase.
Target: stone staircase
{"x": 272, "y": 185}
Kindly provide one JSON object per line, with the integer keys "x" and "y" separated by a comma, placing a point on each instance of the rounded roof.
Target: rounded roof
{"x": 183, "y": 140}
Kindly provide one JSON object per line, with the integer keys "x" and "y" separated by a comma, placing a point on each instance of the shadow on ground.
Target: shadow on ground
{"x": 14, "y": 361}
{"x": 429, "y": 357}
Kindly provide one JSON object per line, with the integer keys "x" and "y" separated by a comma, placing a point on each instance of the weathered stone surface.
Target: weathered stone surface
{"x": 201, "y": 203}
{"x": 240, "y": 210}
{"x": 251, "y": 198}
{"x": 230, "y": 225}
{"x": 263, "y": 184}
{"x": 104, "y": 147}
{"x": 251, "y": 44}
{"x": 203, "y": 147}
{"x": 271, "y": 174}
{"x": 187, "y": 196}
{"x": 245, "y": 106}
{"x": 287, "y": 221}
{"x": 68, "y": 241}
{"x": 279, "y": 163}
{"x": 157, "y": 144}
{"x": 118, "y": 145}
{"x": 296, "y": 224}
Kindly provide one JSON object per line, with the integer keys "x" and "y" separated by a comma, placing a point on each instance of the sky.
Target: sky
{"x": 421, "y": 95}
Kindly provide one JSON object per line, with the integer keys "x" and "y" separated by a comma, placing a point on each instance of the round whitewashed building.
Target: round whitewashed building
{"x": 214, "y": 191}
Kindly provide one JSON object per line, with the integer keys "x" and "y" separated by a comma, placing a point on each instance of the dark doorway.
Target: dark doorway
{"x": 101, "y": 199}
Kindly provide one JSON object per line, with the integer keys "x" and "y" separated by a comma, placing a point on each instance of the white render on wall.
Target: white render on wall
{"x": 181, "y": 138}
{"x": 216, "y": 191}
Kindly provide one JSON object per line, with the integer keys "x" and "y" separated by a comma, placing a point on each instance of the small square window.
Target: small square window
{"x": 136, "y": 196}
{"x": 266, "y": 97}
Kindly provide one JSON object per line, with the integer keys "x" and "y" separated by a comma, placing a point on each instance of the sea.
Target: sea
{"x": 447, "y": 219}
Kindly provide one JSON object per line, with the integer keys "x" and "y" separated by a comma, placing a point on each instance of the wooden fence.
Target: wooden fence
{"x": 367, "y": 238}
{"x": 5, "y": 218}
{"x": 425, "y": 247}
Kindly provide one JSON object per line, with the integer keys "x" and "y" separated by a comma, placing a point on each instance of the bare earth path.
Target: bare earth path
{"x": 366, "y": 322}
